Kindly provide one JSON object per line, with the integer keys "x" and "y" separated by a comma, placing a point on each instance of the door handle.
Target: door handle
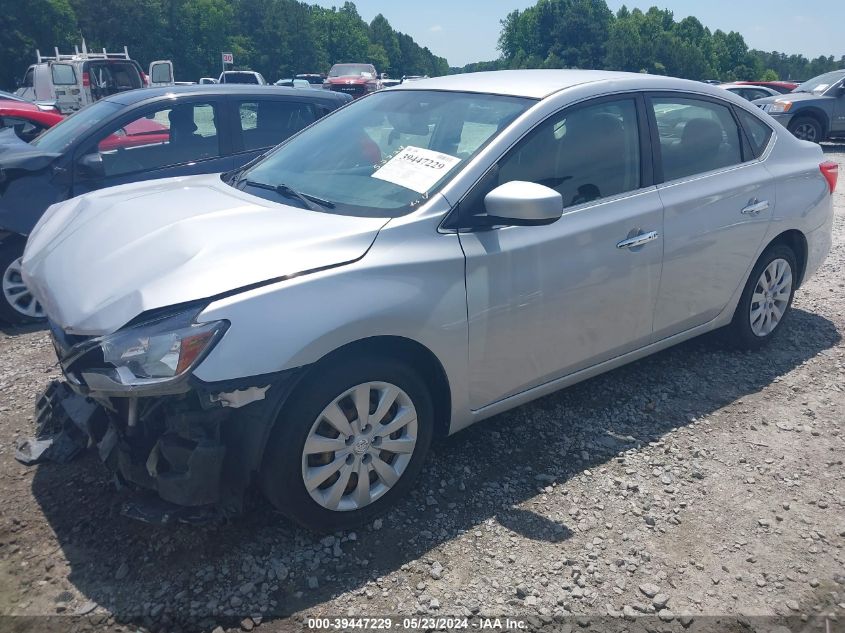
{"x": 755, "y": 207}
{"x": 638, "y": 240}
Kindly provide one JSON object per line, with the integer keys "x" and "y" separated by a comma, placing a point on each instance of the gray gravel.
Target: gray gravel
{"x": 698, "y": 482}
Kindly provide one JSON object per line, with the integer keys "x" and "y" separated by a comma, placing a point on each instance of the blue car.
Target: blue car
{"x": 132, "y": 136}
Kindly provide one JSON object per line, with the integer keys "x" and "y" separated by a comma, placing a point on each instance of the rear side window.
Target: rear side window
{"x": 63, "y": 75}
{"x": 758, "y": 132}
{"x": 696, "y": 136}
{"x": 265, "y": 123}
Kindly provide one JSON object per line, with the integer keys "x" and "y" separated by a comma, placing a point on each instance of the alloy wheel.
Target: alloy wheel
{"x": 771, "y": 297}
{"x": 806, "y": 132}
{"x": 17, "y": 295}
{"x": 359, "y": 446}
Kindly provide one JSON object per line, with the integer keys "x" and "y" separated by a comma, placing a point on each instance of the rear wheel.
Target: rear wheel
{"x": 766, "y": 298}
{"x": 807, "y": 129}
{"x": 348, "y": 444}
{"x": 18, "y": 305}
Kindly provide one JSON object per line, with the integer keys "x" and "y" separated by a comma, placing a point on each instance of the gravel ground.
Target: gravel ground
{"x": 697, "y": 483}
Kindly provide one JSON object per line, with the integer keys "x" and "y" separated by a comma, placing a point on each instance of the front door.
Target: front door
{"x": 837, "y": 122}
{"x": 546, "y": 301}
{"x": 718, "y": 199}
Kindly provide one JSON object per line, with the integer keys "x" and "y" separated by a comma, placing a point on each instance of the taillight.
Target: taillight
{"x": 830, "y": 171}
{"x": 86, "y": 80}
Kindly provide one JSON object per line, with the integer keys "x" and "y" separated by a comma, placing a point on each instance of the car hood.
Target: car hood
{"x": 795, "y": 97}
{"x": 16, "y": 153}
{"x": 97, "y": 261}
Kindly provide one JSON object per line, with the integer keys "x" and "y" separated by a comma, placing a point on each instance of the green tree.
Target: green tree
{"x": 30, "y": 25}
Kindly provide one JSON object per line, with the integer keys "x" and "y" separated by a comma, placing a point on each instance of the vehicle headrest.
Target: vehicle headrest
{"x": 703, "y": 134}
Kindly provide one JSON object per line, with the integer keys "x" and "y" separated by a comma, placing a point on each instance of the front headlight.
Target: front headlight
{"x": 780, "y": 107}
{"x": 154, "y": 353}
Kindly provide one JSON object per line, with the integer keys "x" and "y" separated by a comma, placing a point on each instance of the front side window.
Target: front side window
{"x": 696, "y": 136}
{"x": 385, "y": 155}
{"x": 63, "y": 75}
{"x": 59, "y": 137}
{"x": 28, "y": 78}
{"x": 265, "y": 123}
{"x": 584, "y": 154}
{"x": 167, "y": 136}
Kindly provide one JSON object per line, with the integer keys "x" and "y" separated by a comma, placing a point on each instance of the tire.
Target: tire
{"x": 17, "y": 306}
{"x": 807, "y": 129}
{"x": 750, "y": 330}
{"x": 285, "y": 465}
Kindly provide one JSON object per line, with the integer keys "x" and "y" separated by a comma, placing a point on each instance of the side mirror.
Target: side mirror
{"x": 91, "y": 166}
{"x": 840, "y": 92}
{"x": 521, "y": 203}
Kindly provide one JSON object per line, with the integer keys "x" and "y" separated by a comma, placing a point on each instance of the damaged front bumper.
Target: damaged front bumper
{"x": 196, "y": 445}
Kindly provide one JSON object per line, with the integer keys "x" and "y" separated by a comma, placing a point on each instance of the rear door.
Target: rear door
{"x": 547, "y": 301}
{"x": 66, "y": 86}
{"x": 162, "y": 140}
{"x": 718, "y": 199}
{"x": 261, "y": 123}
{"x": 161, "y": 73}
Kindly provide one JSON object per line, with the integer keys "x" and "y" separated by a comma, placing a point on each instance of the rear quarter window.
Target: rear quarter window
{"x": 758, "y": 133}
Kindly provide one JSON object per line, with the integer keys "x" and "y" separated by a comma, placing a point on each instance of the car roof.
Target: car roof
{"x": 538, "y": 84}
{"x": 131, "y": 97}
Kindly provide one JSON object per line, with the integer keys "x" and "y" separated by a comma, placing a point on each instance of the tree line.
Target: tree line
{"x": 587, "y": 34}
{"x": 278, "y": 38}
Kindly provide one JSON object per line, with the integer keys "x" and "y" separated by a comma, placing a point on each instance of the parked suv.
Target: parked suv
{"x": 312, "y": 321}
{"x": 138, "y": 135}
{"x": 814, "y": 111}
{"x": 74, "y": 81}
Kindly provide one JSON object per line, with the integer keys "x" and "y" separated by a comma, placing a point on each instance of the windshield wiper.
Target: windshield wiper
{"x": 307, "y": 199}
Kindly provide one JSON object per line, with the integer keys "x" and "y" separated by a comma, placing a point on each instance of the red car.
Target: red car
{"x": 27, "y": 119}
{"x": 136, "y": 133}
{"x": 781, "y": 86}
{"x": 353, "y": 79}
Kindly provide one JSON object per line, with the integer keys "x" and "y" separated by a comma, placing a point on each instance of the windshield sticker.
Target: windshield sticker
{"x": 416, "y": 168}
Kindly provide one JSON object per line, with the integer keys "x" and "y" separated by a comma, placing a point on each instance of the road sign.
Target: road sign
{"x": 228, "y": 58}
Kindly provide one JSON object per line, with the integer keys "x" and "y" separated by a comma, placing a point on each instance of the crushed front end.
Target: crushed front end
{"x": 196, "y": 445}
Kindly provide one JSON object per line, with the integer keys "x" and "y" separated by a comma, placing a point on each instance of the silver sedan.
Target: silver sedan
{"x": 422, "y": 259}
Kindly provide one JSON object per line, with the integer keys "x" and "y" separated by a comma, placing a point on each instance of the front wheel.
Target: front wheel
{"x": 766, "y": 298}
{"x": 17, "y": 305}
{"x": 807, "y": 129}
{"x": 348, "y": 444}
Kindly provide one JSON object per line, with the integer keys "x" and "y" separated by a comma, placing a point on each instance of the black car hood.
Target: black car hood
{"x": 18, "y": 154}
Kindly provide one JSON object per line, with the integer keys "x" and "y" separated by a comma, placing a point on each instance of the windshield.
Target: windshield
{"x": 10, "y": 96}
{"x": 821, "y": 83}
{"x": 59, "y": 137}
{"x": 386, "y": 154}
{"x": 352, "y": 70}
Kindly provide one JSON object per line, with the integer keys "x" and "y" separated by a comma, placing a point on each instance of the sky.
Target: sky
{"x": 465, "y": 31}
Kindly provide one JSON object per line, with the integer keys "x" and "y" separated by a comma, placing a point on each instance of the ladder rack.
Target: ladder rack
{"x": 77, "y": 55}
